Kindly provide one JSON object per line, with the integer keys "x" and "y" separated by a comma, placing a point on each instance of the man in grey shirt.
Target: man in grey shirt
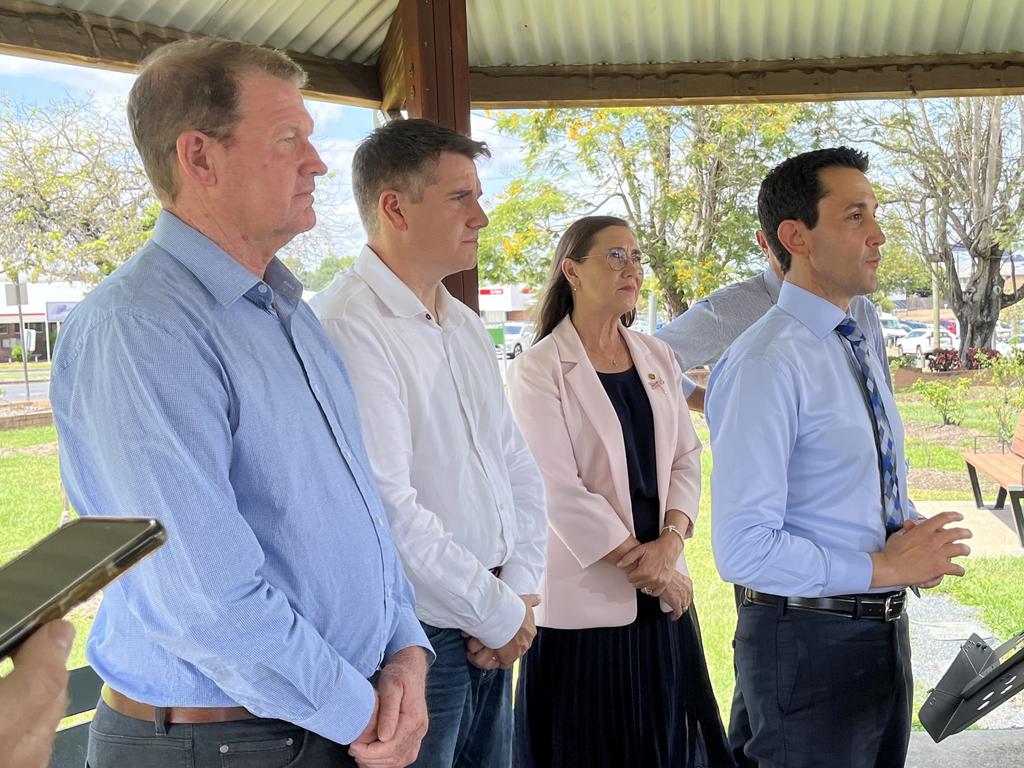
{"x": 702, "y": 334}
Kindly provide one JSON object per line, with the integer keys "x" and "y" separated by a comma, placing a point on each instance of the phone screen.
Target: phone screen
{"x": 86, "y": 553}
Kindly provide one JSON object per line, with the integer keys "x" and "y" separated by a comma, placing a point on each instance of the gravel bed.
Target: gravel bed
{"x": 938, "y": 627}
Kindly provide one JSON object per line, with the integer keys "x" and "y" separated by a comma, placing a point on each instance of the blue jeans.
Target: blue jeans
{"x": 470, "y": 709}
{"x": 116, "y": 741}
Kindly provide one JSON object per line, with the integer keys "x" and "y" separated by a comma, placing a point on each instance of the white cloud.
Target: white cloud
{"x": 70, "y": 76}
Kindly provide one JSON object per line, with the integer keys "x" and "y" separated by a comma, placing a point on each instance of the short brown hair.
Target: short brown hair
{"x": 194, "y": 85}
{"x": 403, "y": 155}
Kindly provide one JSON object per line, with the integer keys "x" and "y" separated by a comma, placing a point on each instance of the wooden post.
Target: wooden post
{"x": 424, "y": 64}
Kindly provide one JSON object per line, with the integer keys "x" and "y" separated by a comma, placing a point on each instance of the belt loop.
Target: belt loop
{"x": 783, "y": 604}
{"x": 858, "y": 607}
{"x": 160, "y": 720}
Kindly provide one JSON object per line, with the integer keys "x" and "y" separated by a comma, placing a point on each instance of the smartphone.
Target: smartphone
{"x": 67, "y": 567}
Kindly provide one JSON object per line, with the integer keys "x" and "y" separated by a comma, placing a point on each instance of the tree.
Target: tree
{"x": 685, "y": 178}
{"x": 957, "y": 168}
{"x": 74, "y": 200}
{"x": 903, "y": 269}
{"x": 319, "y": 277}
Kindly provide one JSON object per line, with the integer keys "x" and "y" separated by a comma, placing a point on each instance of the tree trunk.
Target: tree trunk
{"x": 979, "y": 304}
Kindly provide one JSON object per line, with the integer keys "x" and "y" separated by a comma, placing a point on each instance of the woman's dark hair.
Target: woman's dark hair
{"x": 792, "y": 189}
{"x": 557, "y": 301}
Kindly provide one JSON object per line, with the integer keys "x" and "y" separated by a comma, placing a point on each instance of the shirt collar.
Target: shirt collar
{"x": 772, "y": 284}
{"x": 819, "y": 315}
{"x": 397, "y": 296}
{"x": 221, "y": 275}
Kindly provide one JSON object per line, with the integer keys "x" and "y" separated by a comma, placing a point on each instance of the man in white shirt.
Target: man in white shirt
{"x": 464, "y": 495}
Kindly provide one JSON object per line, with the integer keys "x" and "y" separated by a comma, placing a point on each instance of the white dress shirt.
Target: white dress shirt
{"x": 462, "y": 490}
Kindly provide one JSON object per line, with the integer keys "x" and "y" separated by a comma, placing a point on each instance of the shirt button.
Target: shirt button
{"x": 428, "y": 316}
{"x": 316, "y": 389}
{"x": 261, "y": 289}
{"x": 380, "y": 521}
{"x": 347, "y": 455}
{"x": 289, "y": 741}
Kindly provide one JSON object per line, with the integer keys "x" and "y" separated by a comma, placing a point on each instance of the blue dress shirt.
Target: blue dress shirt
{"x": 187, "y": 389}
{"x": 795, "y": 488}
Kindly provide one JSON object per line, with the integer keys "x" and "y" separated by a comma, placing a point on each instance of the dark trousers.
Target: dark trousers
{"x": 116, "y": 741}
{"x": 470, "y": 709}
{"x": 739, "y": 720}
{"x": 824, "y": 691}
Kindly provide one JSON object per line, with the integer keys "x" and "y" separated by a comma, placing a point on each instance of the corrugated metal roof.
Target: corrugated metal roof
{"x": 349, "y": 30}
{"x": 537, "y": 32}
{"x": 568, "y": 32}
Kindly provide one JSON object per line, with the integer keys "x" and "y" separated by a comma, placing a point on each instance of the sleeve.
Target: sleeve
{"x": 688, "y": 384}
{"x": 684, "y": 485}
{"x": 144, "y": 415}
{"x": 523, "y": 570}
{"x": 752, "y": 412}
{"x": 584, "y": 521}
{"x": 694, "y": 337}
{"x": 446, "y": 576}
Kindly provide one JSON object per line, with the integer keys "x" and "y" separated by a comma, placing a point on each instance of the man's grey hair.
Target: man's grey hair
{"x": 194, "y": 85}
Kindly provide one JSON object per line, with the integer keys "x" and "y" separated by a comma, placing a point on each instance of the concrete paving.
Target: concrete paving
{"x": 970, "y": 749}
{"x": 993, "y": 530}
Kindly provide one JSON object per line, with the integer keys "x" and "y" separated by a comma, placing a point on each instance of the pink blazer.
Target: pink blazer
{"x": 572, "y": 429}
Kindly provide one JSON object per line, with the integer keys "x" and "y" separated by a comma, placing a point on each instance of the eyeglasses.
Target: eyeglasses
{"x": 618, "y": 258}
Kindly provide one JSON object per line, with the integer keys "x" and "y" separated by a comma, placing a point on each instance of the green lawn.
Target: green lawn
{"x": 30, "y": 506}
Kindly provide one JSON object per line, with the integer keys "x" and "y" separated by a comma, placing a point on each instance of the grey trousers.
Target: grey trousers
{"x": 116, "y": 741}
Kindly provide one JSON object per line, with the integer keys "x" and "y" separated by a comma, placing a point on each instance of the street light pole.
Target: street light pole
{"x": 21, "y": 324}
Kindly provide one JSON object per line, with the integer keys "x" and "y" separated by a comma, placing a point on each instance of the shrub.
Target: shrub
{"x": 948, "y": 398}
{"x": 944, "y": 360}
{"x": 1005, "y": 398}
{"x": 16, "y": 353}
{"x": 979, "y": 358}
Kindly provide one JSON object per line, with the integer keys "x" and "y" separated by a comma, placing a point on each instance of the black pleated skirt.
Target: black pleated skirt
{"x": 636, "y": 696}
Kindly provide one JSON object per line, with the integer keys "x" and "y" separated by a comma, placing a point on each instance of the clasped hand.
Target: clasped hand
{"x": 399, "y": 721}
{"x": 481, "y": 656}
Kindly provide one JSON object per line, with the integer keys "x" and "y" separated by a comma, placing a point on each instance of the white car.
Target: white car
{"x": 518, "y": 336}
{"x": 892, "y": 329}
{"x": 921, "y": 342}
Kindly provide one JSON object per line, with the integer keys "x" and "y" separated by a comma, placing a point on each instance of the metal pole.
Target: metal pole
{"x": 46, "y": 330}
{"x": 935, "y": 305}
{"x": 24, "y": 352}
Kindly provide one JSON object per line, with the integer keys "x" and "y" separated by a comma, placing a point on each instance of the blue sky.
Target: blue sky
{"x": 338, "y": 130}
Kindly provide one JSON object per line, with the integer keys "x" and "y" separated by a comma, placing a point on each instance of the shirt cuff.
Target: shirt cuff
{"x": 347, "y": 715}
{"x": 498, "y": 629}
{"x": 520, "y": 578}
{"x": 408, "y": 633}
{"x": 688, "y": 385}
{"x": 849, "y": 573}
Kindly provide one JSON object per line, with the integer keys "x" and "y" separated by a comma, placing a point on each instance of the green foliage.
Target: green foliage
{"x": 947, "y": 398}
{"x": 993, "y": 584}
{"x": 903, "y": 269}
{"x": 319, "y": 277}
{"x": 73, "y": 195}
{"x": 519, "y": 243}
{"x": 1004, "y": 399}
{"x": 686, "y": 178}
{"x": 16, "y": 353}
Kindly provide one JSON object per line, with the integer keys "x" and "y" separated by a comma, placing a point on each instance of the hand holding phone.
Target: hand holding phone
{"x": 67, "y": 567}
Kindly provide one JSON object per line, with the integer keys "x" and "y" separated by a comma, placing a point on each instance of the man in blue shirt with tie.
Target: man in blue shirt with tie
{"x": 194, "y": 385}
{"x": 809, "y": 490}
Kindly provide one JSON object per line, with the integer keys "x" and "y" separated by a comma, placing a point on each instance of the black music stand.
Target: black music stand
{"x": 978, "y": 681}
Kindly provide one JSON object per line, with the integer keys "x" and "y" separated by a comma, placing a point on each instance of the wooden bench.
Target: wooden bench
{"x": 1006, "y": 469}
{"x": 69, "y": 748}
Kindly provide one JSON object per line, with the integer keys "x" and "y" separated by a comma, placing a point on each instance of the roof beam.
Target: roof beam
{"x": 72, "y": 37}
{"x": 746, "y": 81}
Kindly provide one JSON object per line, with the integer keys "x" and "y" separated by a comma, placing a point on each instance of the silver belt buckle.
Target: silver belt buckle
{"x": 890, "y": 612}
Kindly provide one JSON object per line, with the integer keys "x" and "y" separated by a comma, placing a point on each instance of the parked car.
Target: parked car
{"x": 518, "y": 336}
{"x": 892, "y": 329}
{"x": 921, "y": 341}
{"x": 1010, "y": 344}
{"x": 912, "y": 325}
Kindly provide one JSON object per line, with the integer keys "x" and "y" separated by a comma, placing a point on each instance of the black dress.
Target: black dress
{"x": 636, "y": 696}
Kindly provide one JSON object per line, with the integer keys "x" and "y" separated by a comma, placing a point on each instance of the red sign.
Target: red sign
{"x": 491, "y": 291}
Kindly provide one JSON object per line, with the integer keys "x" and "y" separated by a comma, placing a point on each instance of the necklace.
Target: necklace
{"x": 613, "y": 358}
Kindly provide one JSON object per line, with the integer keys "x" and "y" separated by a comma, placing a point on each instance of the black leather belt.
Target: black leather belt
{"x": 886, "y": 606}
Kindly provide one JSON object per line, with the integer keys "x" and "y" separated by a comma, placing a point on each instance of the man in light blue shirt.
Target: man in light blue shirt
{"x": 194, "y": 385}
{"x": 798, "y": 495}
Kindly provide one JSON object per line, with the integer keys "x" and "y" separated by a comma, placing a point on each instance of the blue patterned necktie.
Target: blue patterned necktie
{"x": 892, "y": 506}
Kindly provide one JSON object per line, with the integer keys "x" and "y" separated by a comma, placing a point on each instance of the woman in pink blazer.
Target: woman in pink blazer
{"x": 616, "y": 675}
